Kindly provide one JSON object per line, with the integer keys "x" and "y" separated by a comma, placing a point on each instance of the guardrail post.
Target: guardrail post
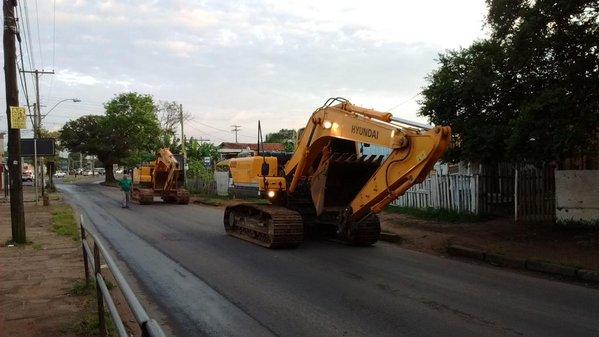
{"x": 85, "y": 257}
{"x": 100, "y": 299}
{"x": 144, "y": 330}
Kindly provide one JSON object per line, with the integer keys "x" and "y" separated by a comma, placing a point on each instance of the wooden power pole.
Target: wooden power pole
{"x": 183, "y": 149}
{"x": 236, "y": 128}
{"x": 17, "y": 211}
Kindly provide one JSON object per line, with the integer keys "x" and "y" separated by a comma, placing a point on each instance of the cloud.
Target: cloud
{"x": 240, "y": 61}
{"x": 73, "y": 78}
{"x": 178, "y": 48}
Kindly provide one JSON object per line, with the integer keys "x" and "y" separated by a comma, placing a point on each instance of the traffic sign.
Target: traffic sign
{"x": 18, "y": 117}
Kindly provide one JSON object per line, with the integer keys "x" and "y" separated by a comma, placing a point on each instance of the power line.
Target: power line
{"x": 24, "y": 33}
{"x": 404, "y": 102}
{"x": 221, "y": 130}
{"x": 22, "y": 78}
{"x": 53, "y": 45}
{"x": 39, "y": 43}
{"x": 53, "y": 34}
{"x": 28, "y": 43}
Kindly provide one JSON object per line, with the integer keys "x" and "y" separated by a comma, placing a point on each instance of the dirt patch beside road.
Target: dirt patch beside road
{"x": 42, "y": 288}
{"x": 35, "y": 279}
{"x": 566, "y": 246}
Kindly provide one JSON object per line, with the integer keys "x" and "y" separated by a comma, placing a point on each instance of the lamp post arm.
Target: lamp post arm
{"x": 55, "y": 105}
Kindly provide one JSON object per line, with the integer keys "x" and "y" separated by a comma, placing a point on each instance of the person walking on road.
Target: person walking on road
{"x": 125, "y": 185}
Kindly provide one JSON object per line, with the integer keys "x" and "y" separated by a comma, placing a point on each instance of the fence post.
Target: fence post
{"x": 85, "y": 257}
{"x": 474, "y": 193}
{"x": 516, "y": 195}
{"x": 100, "y": 299}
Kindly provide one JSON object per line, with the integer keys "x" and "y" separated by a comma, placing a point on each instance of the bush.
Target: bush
{"x": 197, "y": 170}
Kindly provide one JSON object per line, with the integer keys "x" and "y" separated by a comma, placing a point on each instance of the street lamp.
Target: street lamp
{"x": 76, "y": 100}
{"x": 36, "y": 134}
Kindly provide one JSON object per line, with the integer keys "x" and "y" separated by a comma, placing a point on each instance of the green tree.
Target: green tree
{"x": 530, "y": 92}
{"x": 286, "y": 137}
{"x": 196, "y": 151}
{"x": 133, "y": 127}
{"x": 87, "y": 135}
{"x": 125, "y": 135}
{"x": 462, "y": 94}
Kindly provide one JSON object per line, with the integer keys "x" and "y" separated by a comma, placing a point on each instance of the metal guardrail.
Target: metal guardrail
{"x": 91, "y": 258}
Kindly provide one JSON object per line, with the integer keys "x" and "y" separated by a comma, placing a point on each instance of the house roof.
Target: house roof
{"x": 271, "y": 147}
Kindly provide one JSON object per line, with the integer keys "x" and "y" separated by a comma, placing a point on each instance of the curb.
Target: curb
{"x": 466, "y": 252}
{"x": 532, "y": 265}
{"x": 505, "y": 261}
{"x": 209, "y": 203}
{"x": 390, "y": 237}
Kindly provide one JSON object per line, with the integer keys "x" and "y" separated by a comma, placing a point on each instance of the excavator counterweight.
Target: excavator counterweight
{"x": 328, "y": 182}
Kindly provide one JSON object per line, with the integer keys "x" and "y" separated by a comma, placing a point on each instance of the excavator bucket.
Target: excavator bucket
{"x": 339, "y": 177}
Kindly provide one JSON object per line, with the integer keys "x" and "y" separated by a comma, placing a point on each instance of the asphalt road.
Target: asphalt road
{"x": 210, "y": 284}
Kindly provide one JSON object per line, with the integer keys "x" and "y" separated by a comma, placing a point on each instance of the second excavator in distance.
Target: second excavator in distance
{"x": 162, "y": 177}
{"x": 327, "y": 185}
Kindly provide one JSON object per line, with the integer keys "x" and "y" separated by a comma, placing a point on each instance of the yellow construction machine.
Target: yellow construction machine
{"x": 162, "y": 177}
{"x": 327, "y": 185}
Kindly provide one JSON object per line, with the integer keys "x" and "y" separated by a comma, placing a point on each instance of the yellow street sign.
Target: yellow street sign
{"x": 18, "y": 117}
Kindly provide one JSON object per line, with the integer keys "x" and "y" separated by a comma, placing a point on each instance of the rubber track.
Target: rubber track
{"x": 287, "y": 230}
{"x": 369, "y": 231}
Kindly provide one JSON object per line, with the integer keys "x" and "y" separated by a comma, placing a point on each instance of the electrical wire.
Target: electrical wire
{"x": 39, "y": 43}
{"x": 221, "y": 130}
{"x": 404, "y": 102}
{"x": 22, "y": 78}
{"x": 53, "y": 34}
{"x": 24, "y": 33}
{"x": 28, "y": 44}
{"x": 53, "y": 45}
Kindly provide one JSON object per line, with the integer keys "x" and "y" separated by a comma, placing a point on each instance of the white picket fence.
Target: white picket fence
{"x": 453, "y": 192}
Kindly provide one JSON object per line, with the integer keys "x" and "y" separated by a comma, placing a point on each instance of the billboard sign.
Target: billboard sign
{"x": 43, "y": 147}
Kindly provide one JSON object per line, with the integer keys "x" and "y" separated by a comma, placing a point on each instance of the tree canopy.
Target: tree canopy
{"x": 196, "y": 150}
{"x": 285, "y": 136}
{"x": 530, "y": 92}
{"x": 125, "y": 135}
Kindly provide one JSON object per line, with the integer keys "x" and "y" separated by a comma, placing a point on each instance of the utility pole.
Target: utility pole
{"x": 183, "y": 149}
{"x": 236, "y": 128}
{"x": 35, "y": 170}
{"x": 17, "y": 211}
{"x": 38, "y": 120}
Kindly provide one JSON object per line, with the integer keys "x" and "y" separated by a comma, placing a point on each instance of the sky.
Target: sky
{"x": 237, "y": 62}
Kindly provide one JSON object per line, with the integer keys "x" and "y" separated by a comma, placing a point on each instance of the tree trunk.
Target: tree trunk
{"x": 50, "y": 168}
{"x": 109, "y": 167}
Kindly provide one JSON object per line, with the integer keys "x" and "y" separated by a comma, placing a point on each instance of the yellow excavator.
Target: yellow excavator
{"x": 327, "y": 185}
{"x": 162, "y": 177}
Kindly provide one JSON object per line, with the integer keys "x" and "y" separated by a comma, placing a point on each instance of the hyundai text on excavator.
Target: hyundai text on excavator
{"x": 327, "y": 184}
{"x": 162, "y": 177}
